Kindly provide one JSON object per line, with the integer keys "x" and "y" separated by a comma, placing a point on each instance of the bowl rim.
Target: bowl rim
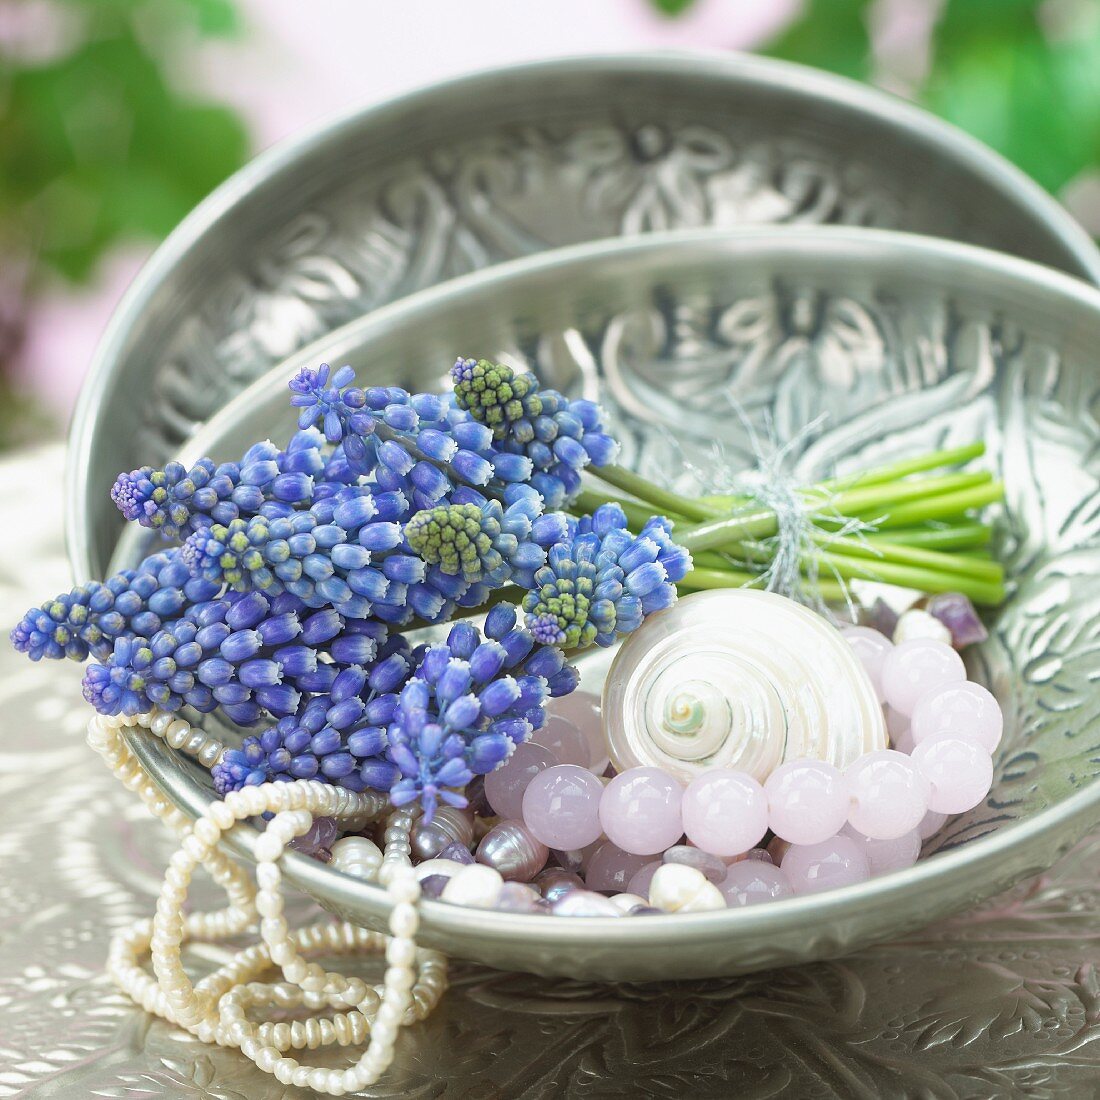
{"x": 283, "y": 156}
{"x": 1077, "y": 812}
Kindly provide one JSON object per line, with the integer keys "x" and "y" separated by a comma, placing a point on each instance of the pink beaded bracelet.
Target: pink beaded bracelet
{"x": 829, "y": 827}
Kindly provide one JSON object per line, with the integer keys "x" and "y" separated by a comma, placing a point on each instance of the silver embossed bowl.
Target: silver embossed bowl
{"x": 468, "y": 173}
{"x": 907, "y": 344}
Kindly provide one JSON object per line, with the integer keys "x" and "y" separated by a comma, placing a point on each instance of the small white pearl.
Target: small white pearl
{"x": 448, "y": 867}
{"x": 177, "y": 733}
{"x": 475, "y": 885}
{"x": 160, "y": 723}
{"x": 918, "y": 623}
{"x": 678, "y": 888}
{"x": 357, "y": 856}
{"x": 625, "y": 902}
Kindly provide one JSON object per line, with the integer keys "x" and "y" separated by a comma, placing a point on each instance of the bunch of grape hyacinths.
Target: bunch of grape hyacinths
{"x": 301, "y": 568}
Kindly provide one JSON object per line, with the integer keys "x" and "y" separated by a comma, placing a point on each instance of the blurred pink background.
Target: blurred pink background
{"x": 299, "y": 62}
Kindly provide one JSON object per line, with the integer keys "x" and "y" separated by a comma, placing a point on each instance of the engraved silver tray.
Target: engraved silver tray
{"x": 906, "y": 344}
{"x": 487, "y": 168}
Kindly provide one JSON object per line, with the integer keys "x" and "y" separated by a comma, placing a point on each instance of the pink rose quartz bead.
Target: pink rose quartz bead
{"x": 582, "y": 708}
{"x": 576, "y": 859}
{"x": 504, "y": 787}
{"x": 814, "y": 868}
{"x": 753, "y": 881}
{"x": 640, "y": 811}
{"x": 931, "y": 824}
{"x": 639, "y": 884}
{"x": 561, "y": 806}
{"x": 915, "y": 667}
{"x": 611, "y": 869}
{"x": 725, "y": 812}
{"x": 807, "y": 801}
{"x": 967, "y": 711}
{"x": 871, "y": 647}
{"x": 959, "y": 773}
{"x": 562, "y": 738}
{"x": 897, "y": 726}
{"x": 888, "y": 792}
{"x": 884, "y": 856}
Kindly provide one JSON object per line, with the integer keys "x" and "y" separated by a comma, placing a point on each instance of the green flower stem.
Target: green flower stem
{"x": 701, "y": 579}
{"x": 874, "y": 501}
{"x": 943, "y": 506}
{"x": 895, "y": 471}
{"x": 758, "y": 523}
{"x": 955, "y": 536}
{"x": 661, "y": 499}
{"x": 883, "y": 551}
{"x": 844, "y": 567}
{"x": 876, "y": 475}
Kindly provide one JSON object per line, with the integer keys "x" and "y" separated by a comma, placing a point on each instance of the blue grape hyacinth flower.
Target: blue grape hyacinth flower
{"x": 467, "y": 704}
{"x": 338, "y": 737}
{"x": 603, "y": 581}
{"x": 485, "y": 541}
{"x": 86, "y": 621}
{"x": 559, "y": 436}
{"x": 177, "y": 500}
{"x": 243, "y": 654}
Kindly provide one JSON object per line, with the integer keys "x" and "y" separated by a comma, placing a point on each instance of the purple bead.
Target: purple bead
{"x": 641, "y": 811}
{"x": 751, "y": 882}
{"x": 639, "y": 883}
{"x": 321, "y": 834}
{"x": 432, "y": 886}
{"x": 828, "y": 865}
{"x": 709, "y": 865}
{"x": 457, "y": 852}
{"x": 957, "y": 613}
{"x": 561, "y": 806}
{"x": 505, "y": 787}
{"x": 610, "y": 868}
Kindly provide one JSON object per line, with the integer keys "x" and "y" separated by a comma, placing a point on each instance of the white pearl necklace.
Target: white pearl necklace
{"x": 216, "y": 1008}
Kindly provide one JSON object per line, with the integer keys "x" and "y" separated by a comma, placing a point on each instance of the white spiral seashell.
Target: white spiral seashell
{"x": 738, "y": 679}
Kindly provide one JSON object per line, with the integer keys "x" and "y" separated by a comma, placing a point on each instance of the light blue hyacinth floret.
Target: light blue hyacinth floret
{"x": 299, "y": 567}
{"x": 560, "y": 437}
{"x": 601, "y": 581}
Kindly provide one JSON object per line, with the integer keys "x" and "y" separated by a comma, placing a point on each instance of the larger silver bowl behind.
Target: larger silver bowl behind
{"x": 468, "y": 173}
{"x": 905, "y": 344}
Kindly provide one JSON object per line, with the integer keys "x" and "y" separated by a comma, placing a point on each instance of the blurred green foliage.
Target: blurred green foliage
{"x": 97, "y": 141}
{"x": 1021, "y": 75}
